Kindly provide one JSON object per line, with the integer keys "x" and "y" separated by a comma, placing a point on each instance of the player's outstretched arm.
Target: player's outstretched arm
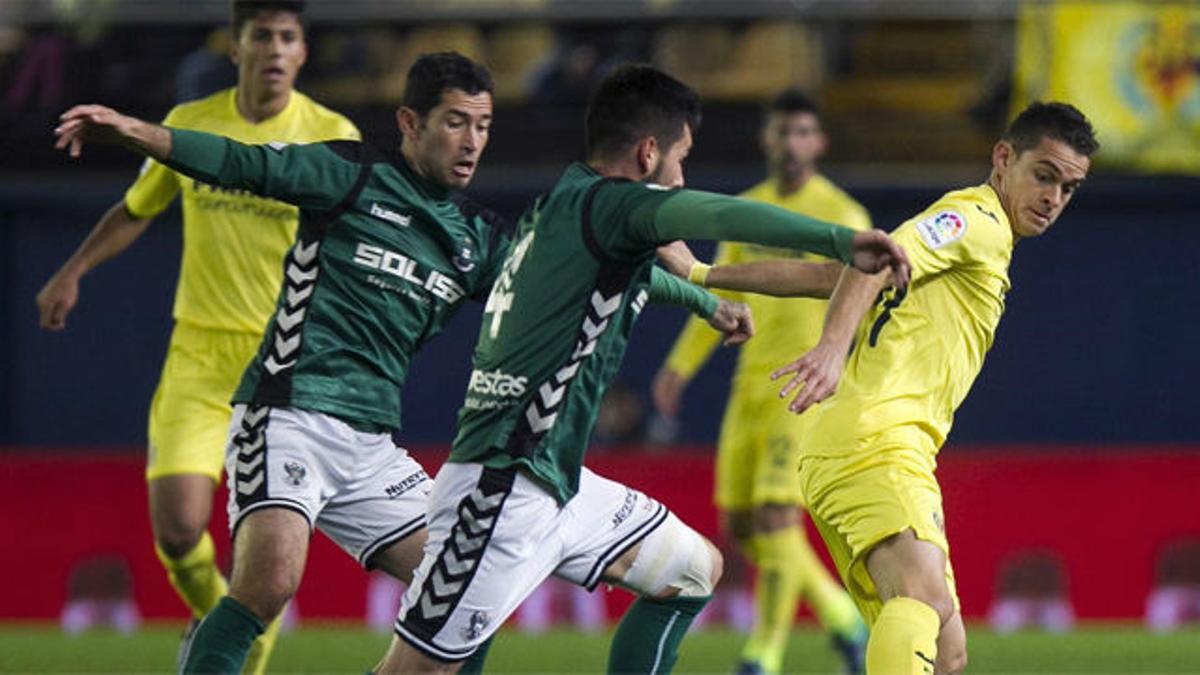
{"x": 782, "y": 278}
{"x": 816, "y": 374}
{"x": 98, "y": 124}
{"x": 115, "y": 231}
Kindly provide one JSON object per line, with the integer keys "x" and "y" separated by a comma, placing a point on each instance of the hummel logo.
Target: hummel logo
{"x": 390, "y": 215}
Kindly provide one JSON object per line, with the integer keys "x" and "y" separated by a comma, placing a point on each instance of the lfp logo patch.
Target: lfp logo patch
{"x": 942, "y": 228}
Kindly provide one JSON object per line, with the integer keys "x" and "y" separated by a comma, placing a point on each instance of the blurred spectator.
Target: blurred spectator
{"x": 206, "y": 70}
{"x": 622, "y": 418}
{"x": 383, "y": 602}
{"x": 1032, "y": 593}
{"x": 1175, "y": 599}
{"x": 100, "y": 594}
{"x": 38, "y": 78}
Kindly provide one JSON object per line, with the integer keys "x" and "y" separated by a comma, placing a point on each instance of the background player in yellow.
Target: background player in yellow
{"x": 233, "y": 250}
{"x": 867, "y": 467}
{"x": 757, "y": 487}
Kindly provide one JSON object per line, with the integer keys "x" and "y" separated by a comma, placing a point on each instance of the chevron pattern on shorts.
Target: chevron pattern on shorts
{"x": 250, "y": 442}
{"x": 543, "y": 411}
{"x": 299, "y": 280}
{"x": 458, "y": 561}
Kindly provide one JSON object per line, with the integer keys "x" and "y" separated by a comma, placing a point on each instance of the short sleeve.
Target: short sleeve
{"x": 155, "y": 186}
{"x": 939, "y": 239}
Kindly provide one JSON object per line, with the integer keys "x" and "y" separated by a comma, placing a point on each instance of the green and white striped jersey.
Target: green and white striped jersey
{"x": 382, "y": 260}
{"x": 558, "y": 319}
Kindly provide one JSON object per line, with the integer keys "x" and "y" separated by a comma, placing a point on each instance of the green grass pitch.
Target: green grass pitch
{"x": 1097, "y": 648}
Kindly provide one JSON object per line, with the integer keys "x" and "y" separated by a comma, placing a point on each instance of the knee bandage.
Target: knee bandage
{"x": 672, "y": 555}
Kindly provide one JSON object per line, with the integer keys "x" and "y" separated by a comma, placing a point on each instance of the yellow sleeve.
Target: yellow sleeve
{"x": 938, "y": 239}
{"x": 346, "y": 130}
{"x": 697, "y": 340}
{"x": 858, "y": 218}
{"x": 155, "y": 187}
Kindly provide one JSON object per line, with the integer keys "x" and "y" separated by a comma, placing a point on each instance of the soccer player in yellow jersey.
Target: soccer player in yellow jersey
{"x": 867, "y": 466}
{"x": 757, "y": 488}
{"x": 234, "y": 244}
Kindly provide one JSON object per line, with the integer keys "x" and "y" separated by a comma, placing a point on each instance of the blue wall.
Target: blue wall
{"x": 1098, "y": 344}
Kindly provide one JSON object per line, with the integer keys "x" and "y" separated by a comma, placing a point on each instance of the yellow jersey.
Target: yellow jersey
{"x": 233, "y": 241}
{"x": 916, "y": 354}
{"x": 785, "y": 328}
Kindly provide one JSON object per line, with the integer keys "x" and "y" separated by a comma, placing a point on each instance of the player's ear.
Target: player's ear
{"x": 408, "y": 121}
{"x": 647, "y": 155}
{"x": 1003, "y": 154}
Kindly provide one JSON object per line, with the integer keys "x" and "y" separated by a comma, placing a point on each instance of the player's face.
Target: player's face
{"x": 269, "y": 52}
{"x": 792, "y": 142}
{"x": 668, "y": 172}
{"x": 448, "y": 143}
{"x": 1037, "y": 184}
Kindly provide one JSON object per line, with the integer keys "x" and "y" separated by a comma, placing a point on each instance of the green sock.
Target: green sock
{"x": 474, "y": 663}
{"x": 647, "y": 641}
{"x": 223, "y": 639}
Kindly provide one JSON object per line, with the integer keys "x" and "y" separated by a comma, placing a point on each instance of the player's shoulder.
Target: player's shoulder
{"x": 761, "y": 191}
{"x": 971, "y": 215}
{"x": 852, "y": 211}
{"x": 202, "y": 112}
{"x": 327, "y": 119}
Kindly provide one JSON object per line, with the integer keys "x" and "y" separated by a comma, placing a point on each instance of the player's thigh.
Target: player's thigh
{"x": 377, "y": 513}
{"x": 737, "y": 455}
{"x": 620, "y": 535}
{"x": 493, "y": 536}
{"x": 180, "y": 509}
{"x": 190, "y": 411}
{"x": 860, "y": 500}
{"x": 269, "y": 555}
{"x": 904, "y": 566}
{"x": 777, "y": 462}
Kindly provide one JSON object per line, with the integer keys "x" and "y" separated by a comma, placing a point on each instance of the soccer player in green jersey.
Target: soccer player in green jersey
{"x": 514, "y": 503}
{"x": 233, "y": 247}
{"x": 386, "y": 254}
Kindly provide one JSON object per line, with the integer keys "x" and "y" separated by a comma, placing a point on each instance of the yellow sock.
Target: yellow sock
{"x": 829, "y": 601}
{"x": 776, "y": 594}
{"x": 196, "y": 577}
{"x": 904, "y": 639}
{"x": 260, "y": 651}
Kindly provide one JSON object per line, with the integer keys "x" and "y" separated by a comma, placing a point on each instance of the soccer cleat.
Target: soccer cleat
{"x": 749, "y": 668}
{"x": 185, "y": 643}
{"x": 853, "y": 649}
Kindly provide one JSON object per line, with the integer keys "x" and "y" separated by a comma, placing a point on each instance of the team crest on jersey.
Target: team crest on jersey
{"x": 465, "y": 260}
{"x": 476, "y": 625}
{"x": 944, "y": 227}
{"x": 295, "y": 473}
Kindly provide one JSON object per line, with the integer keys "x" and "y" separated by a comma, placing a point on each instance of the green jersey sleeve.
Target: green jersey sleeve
{"x": 653, "y": 216}
{"x": 309, "y": 176}
{"x": 666, "y": 288}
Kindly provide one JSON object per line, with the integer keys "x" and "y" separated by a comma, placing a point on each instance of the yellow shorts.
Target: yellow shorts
{"x": 758, "y": 452}
{"x": 189, "y": 416}
{"x": 859, "y": 500}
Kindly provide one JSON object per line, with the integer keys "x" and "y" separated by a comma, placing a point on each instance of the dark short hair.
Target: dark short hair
{"x": 242, "y": 11}
{"x": 635, "y": 101}
{"x": 793, "y": 101}
{"x": 1060, "y": 121}
{"x": 433, "y": 74}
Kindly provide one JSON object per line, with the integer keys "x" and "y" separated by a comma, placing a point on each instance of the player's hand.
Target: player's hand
{"x": 667, "y": 392}
{"x": 91, "y": 123}
{"x": 874, "y": 250}
{"x": 734, "y": 320}
{"x": 815, "y": 375}
{"x": 56, "y": 300}
{"x": 677, "y": 258}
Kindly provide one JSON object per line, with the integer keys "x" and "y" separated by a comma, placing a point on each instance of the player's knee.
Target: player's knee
{"x": 953, "y": 663}
{"x": 177, "y": 537}
{"x": 266, "y": 598}
{"x": 675, "y": 560}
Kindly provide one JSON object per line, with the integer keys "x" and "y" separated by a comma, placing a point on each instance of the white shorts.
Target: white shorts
{"x": 494, "y": 535}
{"x": 361, "y": 489}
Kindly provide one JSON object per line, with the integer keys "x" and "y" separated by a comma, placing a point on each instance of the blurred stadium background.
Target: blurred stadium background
{"x": 1072, "y": 473}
